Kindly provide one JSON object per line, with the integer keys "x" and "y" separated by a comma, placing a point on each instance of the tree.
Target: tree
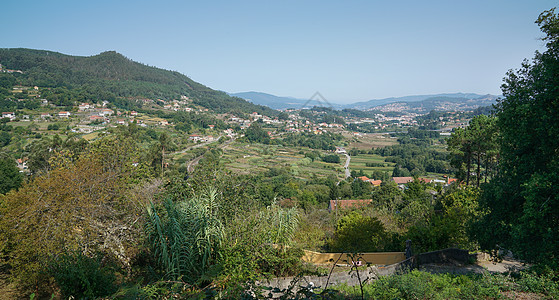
{"x": 332, "y": 158}
{"x": 80, "y": 205}
{"x": 11, "y": 177}
{"x": 523, "y": 199}
{"x": 474, "y": 146}
{"x": 359, "y": 233}
{"x": 256, "y": 134}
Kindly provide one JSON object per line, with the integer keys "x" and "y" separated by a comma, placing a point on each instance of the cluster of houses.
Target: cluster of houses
{"x": 178, "y": 105}
{"x": 371, "y": 181}
{"x": 245, "y": 123}
{"x": 308, "y": 126}
{"x": 382, "y": 121}
{"x": 22, "y": 165}
{"x": 201, "y": 138}
{"x": 2, "y": 70}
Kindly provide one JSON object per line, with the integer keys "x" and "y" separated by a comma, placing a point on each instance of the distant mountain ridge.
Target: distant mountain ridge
{"x": 414, "y": 98}
{"x": 440, "y": 103}
{"x": 418, "y": 103}
{"x": 278, "y": 102}
{"x": 110, "y": 75}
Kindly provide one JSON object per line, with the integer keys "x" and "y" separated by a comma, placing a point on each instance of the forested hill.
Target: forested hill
{"x": 110, "y": 75}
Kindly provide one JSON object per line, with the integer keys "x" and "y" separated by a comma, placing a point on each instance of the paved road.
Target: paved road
{"x": 192, "y": 163}
{"x": 346, "y": 166}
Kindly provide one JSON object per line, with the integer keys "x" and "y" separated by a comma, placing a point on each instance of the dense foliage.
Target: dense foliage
{"x": 414, "y": 156}
{"x": 475, "y": 148}
{"x": 424, "y": 285}
{"x": 523, "y": 197}
{"x": 325, "y": 141}
{"x": 79, "y": 205}
{"x": 11, "y": 177}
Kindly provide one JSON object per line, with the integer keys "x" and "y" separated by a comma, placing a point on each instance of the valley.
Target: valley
{"x": 126, "y": 181}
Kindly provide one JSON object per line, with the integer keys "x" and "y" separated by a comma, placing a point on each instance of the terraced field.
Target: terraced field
{"x": 244, "y": 159}
{"x": 367, "y": 141}
{"x": 360, "y": 161}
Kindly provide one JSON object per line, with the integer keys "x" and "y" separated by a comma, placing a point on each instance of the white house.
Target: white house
{"x": 64, "y": 114}
{"x": 10, "y": 115}
{"x": 104, "y": 112}
{"x": 84, "y": 107}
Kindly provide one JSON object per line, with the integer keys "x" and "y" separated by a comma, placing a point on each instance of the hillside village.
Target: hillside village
{"x": 90, "y": 118}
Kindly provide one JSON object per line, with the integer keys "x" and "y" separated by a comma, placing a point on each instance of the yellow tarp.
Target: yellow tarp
{"x": 376, "y": 258}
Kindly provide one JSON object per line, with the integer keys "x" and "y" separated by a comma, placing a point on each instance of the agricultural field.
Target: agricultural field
{"x": 367, "y": 141}
{"x": 360, "y": 161}
{"x": 245, "y": 158}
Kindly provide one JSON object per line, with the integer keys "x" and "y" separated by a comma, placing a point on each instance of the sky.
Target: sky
{"x": 348, "y": 51}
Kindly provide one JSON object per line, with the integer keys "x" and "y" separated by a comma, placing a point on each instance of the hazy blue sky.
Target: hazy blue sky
{"x": 348, "y": 50}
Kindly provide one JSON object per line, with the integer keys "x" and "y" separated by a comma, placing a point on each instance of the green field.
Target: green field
{"x": 254, "y": 158}
{"x": 359, "y": 163}
{"x": 368, "y": 141}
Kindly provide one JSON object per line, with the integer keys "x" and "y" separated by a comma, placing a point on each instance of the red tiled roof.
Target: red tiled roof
{"x": 376, "y": 182}
{"x": 364, "y": 178}
{"x": 402, "y": 180}
{"x": 426, "y": 180}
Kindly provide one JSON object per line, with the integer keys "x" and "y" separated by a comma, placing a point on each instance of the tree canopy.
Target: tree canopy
{"x": 523, "y": 199}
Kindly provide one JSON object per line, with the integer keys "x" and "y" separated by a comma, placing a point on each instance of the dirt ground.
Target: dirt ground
{"x": 506, "y": 265}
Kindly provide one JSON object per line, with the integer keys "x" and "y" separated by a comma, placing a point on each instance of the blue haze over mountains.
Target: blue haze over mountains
{"x": 425, "y": 102}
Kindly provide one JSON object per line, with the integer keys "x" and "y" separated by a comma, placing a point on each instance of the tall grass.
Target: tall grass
{"x": 185, "y": 237}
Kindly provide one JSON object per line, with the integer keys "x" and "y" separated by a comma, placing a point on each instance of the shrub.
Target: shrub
{"x": 358, "y": 233}
{"x": 332, "y": 158}
{"x": 79, "y": 276}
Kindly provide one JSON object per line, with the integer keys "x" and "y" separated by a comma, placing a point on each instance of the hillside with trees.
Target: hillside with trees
{"x": 109, "y": 76}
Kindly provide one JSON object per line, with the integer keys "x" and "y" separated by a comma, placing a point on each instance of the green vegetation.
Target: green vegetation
{"x": 415, "y": 155}
{"x": 11, "y": 177}
{"x": 110, "y": 76}
{"x": 357, "y": 233}
{"x": 145, "y": 211}
{"x": 522, "y": 198}
{"x": 81, "y": 276}
{"x": 422, "y": 285}
{"x": 325, "y": 141}
{"x": 332, "y": 158}
{"x": 185, "y": 239}
{"x": 475, "y": 148}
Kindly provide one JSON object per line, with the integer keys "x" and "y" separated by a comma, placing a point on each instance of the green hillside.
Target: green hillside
{"x": 110, "y": 75}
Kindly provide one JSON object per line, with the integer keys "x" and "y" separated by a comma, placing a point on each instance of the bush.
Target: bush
{"x": 332, "y": 158}
{"x": 53, "y": 127}
{"x": 422, "y": 285}
{"x": 358, "y": 233}
{"x": 79, "y": 276}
